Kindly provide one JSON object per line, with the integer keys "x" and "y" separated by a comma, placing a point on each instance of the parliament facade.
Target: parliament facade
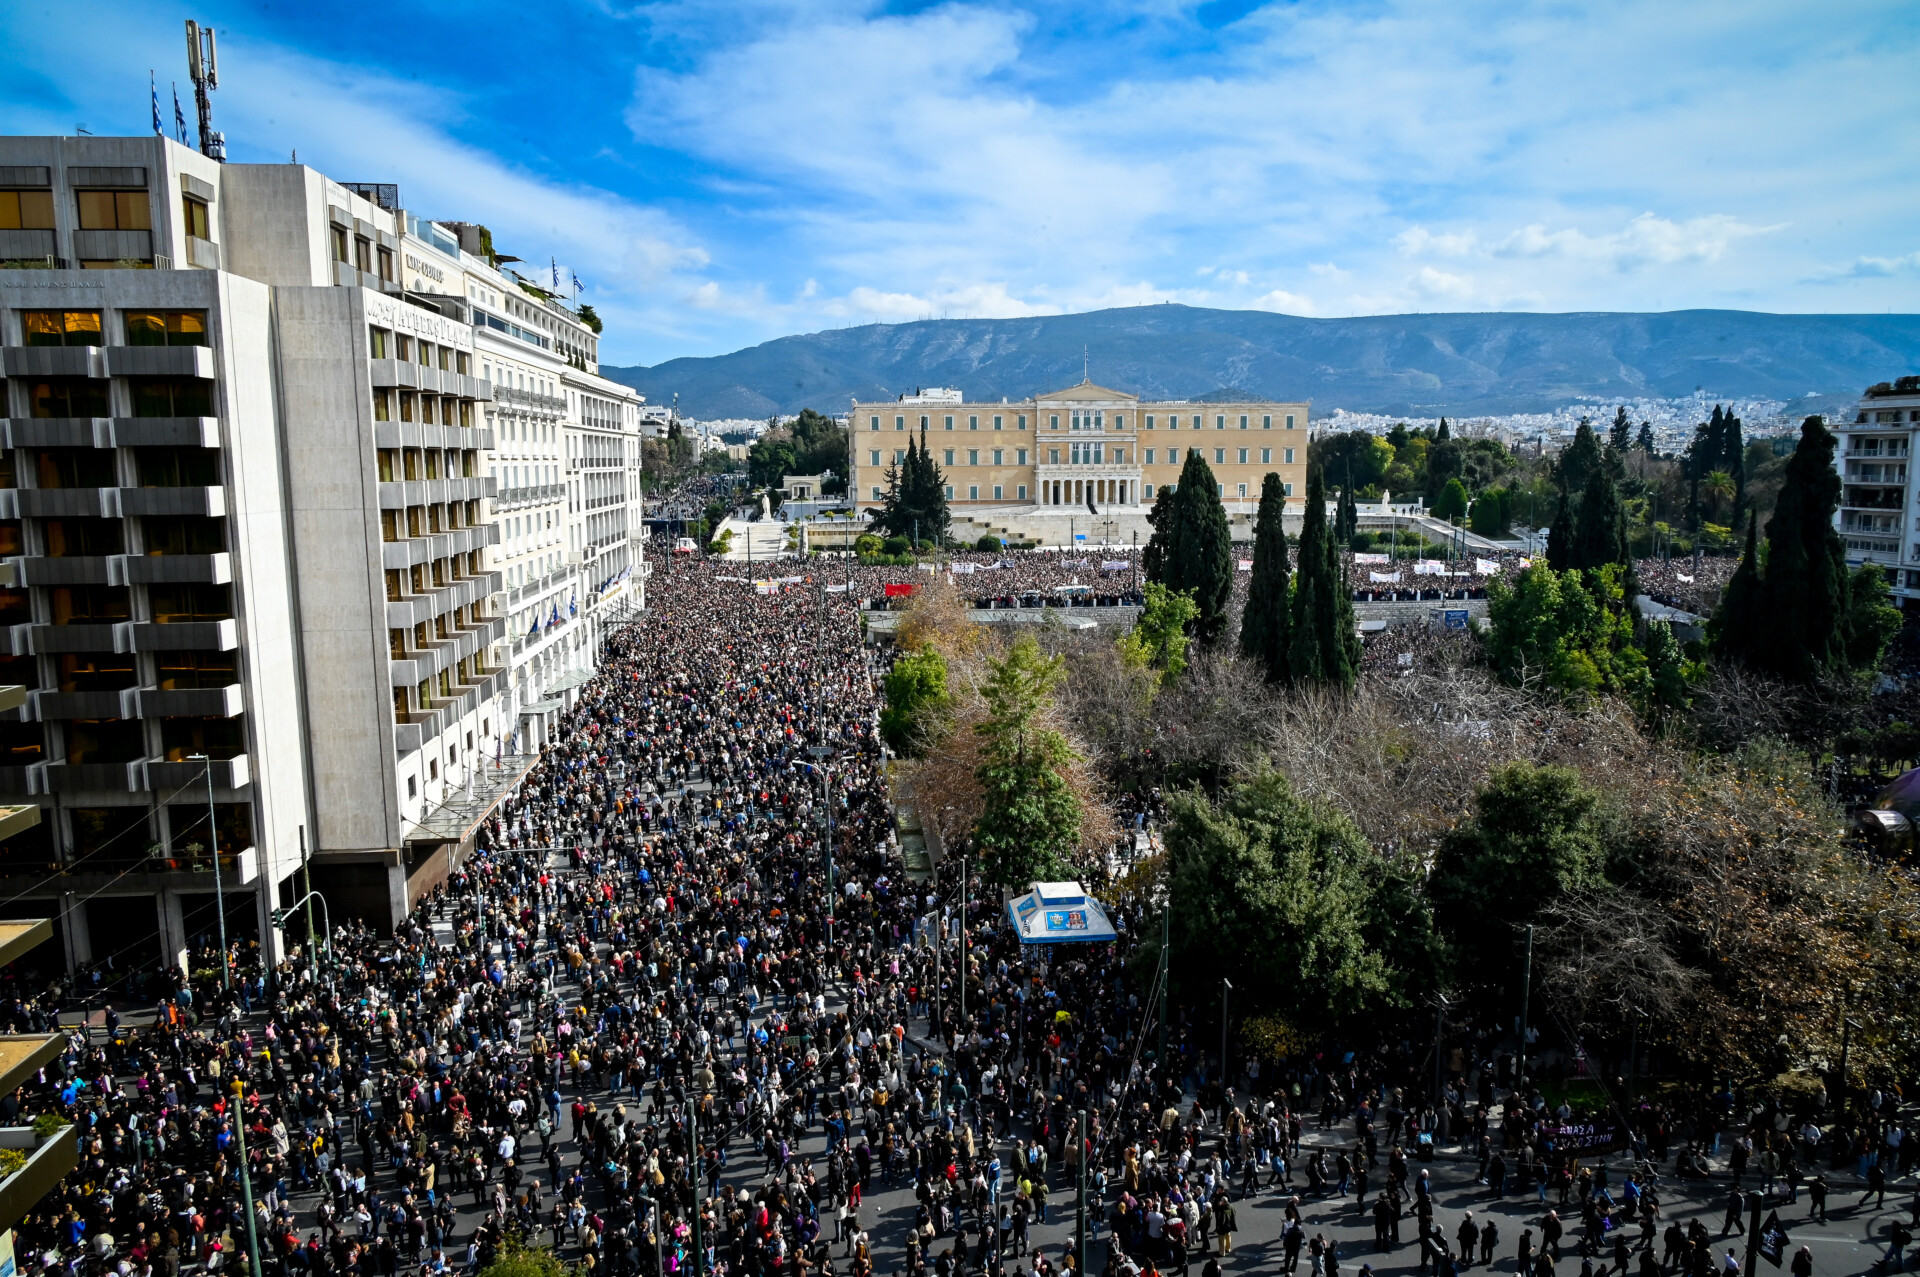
{"x": 1085, "y": 445}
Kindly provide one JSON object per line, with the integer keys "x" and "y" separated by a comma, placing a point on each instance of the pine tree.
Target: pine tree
{"x": 1580, "y": 459}
{"x": 1644, "y": 441}
{"x": 1733, "y": 460}
{"x": 1443, "y": 432}
{"x": 1199, "y": 556}
{"x": 1620, "y": 436}
{"x": 1264, "y": 623}
{"x": 1323, "y": 647}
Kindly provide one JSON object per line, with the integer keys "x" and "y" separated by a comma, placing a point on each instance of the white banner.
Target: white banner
{"x": 1383, "y": 578}
{"x": 966, "y": 569}
{"x": 1115, "y": 565}
{"x": 1246, "y": 565}
{"x": 1682, "y": 576}
{"x": 1485, "y": 567}
{"x": 1429, "y": 567}
{"x": 1369, "y": 558}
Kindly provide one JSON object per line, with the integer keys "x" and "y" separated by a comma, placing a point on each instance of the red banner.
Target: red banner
{"x": 899, "y": 591}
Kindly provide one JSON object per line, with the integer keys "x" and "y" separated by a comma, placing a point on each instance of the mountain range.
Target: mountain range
{"x": 1417, "y": 365}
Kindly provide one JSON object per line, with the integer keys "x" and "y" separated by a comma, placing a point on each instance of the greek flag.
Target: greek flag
{"x": 179, "y": 116}
{"x": 153, "y": 88}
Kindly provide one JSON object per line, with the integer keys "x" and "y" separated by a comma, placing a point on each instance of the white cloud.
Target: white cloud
{"x": 1416, "y": 240}
{"x": 1869, "y": 268}
{"x": 1646, "y": 240}
{"x": 1285, "y": 302}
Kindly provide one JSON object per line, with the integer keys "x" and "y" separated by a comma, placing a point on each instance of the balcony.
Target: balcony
{"x": 160, "y": 361}
{"x": 110, "y": 778}
{"x": 173, "y": 569}
{"x": 58, "y": 503}
{"x": 191, "y": 702}
{"x": 59, "y": 432}
{"x": 48, "y": 1163}
{"x": 208, "y": 502}
{"x": 67, "y": 570}
{"x": 54, "y": 361}
{"x": 113, "y": 246}
{"x": 228, "y": 773}
{"x": 152, "y": 636}
{"x": 166, "y": 432}
{"x": 430, "y": 434}
{"x": 39, "y": 640}
{"x": 51, "y": 705}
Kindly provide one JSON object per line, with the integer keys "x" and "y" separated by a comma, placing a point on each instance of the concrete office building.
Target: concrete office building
{"x": 1879, "y": 515}
{"x": 248, "y": 489}
{"x": 1038, "y": 464}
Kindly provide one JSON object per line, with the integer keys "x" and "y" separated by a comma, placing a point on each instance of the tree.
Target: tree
{"x": 915, "y": 504}
{"x": 1030, "y": 816}
{"x": 1560, "y": 536}
{"x": 917, "y": 700}
{"x": 1452, "y": 502}
{"x": 1322, "y": 646}
{"x": 1199, "y": 547}
{"x": 1442, "y": 432}
{"x": 1490, "y": 516}
{"x": 1264, "y": 624}
{"x": 1872, "y": 619}
{"x": 591, "y": 318}
{"x": 1620, "y": 434}
{"x": 515, "y": 1258}
{"x": 1153, "y": 558}
{"x": 1535, "y": 835}
{"x": 1158, "y": 640}
{"x": 1284, "y": 895}
{"x": 1794, "y": 619}
{"x": 1570, "y": 631}
{"x": 1578, "y": 462}
{"x": 1644, "y": 441}
{"x": 1354, "y": 459}
{"x": 1600, "y": 526}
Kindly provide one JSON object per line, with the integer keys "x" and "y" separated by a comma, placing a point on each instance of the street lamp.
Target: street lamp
{"x": 219, "y": 894}
{"x": 822, "y": 753}
{"x": 1226, "y": 987}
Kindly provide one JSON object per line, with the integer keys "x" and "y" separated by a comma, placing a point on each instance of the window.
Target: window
{"x": 948, "y": 490}
{"x": 973, "y": 423}
{"x": 876, "y": 494}
{"x": 1053, "y": 422}
{"x": 171, "y": 396}
{"x": 89, "y": 604}
{"x": 973, "y": 492}
{"x": 899, "y": 423}
{"x": 113, "y": 211}
{"x": 876, "y": 423}
{"x": 385, "y": 256}
{"x": 1087, "y": 419}
{"x": 61, "y": 327}
{"x": 996, "y": 456}
{"x": 1149, "y": 456}
{"x": 1219, "y": 456}
{"x": 1243, "y": 421}
{"x": 924, "y": 419}
{"x": 69, "y": 538}
{"x": 949, "y": 456}
{"x": 873, "y": 456}
{"x": 1053, "y": 456}
{"x": 1220, "y": 489}
{"x": 1196, "y": 421}
{"x": 1288, "y": 454}
{"x": 1289, "y": 423}
{"x": 403, "y": 348}
{"x": 1243, "y": 492}
{"x": 166, "y": 327}
{"x": 1289, "y": 489}
{"x": 1023, "y": 492}
{"x": 96, "y": 672}
{"x": 68, "y": 397}
{"x": 899, "y": 455}
{"x": 363, "y": 254}
{"x": 1173, "y": 423}
{"x": 1022, "y": 420}
{"x": 26, "y": 210}
{"x": 377, "y": 340}
{"x": 973, "y": 456}
{"x": 1023, "y": 456}
{"x": 1243, "y": 456}
{"x": 339, "y": 244}
{"x": 1266, "y": 423}
{"x": 996, "y": 423}
{"x": 383, "y": 405}
{"x": 177, "y": 467}
{"x": 1219, "y": 421}
{"x": 1266, "y": 456}
{"x": 996, "y": 492}
{"x": 1147, "y": 491}
{"x": 193, "y": 216}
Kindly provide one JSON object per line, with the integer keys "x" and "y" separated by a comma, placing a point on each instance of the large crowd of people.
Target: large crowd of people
{"x": 682, "y": 1011}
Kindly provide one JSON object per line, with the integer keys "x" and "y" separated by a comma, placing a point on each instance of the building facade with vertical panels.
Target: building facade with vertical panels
{"x": 248, "y": 490}
{"x": 1056, "y": 453}
{"x": 1879, "y": 515}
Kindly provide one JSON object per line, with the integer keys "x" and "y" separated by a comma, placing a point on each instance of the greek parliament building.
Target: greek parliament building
{"x": 1041, "y": 462}
{"x": 314, "y": 518}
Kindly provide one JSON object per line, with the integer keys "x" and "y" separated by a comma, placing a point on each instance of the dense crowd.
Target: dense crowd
{"x": 611, "y": 1029}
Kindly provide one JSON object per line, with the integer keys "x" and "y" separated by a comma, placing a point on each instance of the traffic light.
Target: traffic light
{"x": 280, "y": 917}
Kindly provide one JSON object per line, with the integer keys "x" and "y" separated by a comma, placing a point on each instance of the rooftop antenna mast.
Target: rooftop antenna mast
{"x": 1085, "y": 366}
{"x": 203, "y": 66}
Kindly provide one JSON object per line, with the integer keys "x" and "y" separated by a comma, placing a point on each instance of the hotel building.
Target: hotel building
{"x": 1879, "y": 514}
{"x": 256, "y": 487}
{"x": 1056, "y": 453}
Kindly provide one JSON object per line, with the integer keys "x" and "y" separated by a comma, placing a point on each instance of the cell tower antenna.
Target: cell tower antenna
{"x": 203, "y": 66}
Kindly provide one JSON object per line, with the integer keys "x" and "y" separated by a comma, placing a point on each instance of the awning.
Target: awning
{"x": 457, "y": 818}
{"x": 543, "y": 707}
{"x": 1059, "y": 913}
{"x": 572, "y": 679}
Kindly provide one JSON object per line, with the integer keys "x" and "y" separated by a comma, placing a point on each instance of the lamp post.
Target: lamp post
{"x": 693, "y": 1179}
{"x": 1226, "y": 987}
{"x": 246, "y": 1175}
{"x": 219, "y": 901}
{"x": 822, "y": 753}
{"x": 1080, "y": 1213}
{"x": 1526, "y": 997}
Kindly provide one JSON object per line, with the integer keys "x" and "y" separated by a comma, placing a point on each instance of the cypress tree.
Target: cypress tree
{"x": 1323, "y": 647}
{"x": 1560, "y": 537}
{"x": 1806, "y": 585}
{"x": 1200, "y": 547}
{"x": 1443, "y": 432}
{"x": 1734, "y": 630}
{"x": 1600, "y": 526}
{"x": 1581, "y": 458}
{"x": 1153, "y": 559}
{"x": 1264, "y": 623}
{"x": 1733, "y": 460}
{"x": 1620, "y": 434}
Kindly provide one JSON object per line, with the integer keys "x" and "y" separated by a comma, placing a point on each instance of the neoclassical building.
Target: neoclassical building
{"x": 1086, "y": 444}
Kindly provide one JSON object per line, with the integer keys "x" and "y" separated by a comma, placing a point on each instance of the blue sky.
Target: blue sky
{"x": 720, "y": 174}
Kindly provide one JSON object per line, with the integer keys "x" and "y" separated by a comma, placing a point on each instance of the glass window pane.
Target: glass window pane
{"x": 146, "y": 328}
{"x": 83, "y": 328}
{"x": 130, "y": 210}
{"x": 43, "y": 328}
{"x": 187, "y": 328}
{"x": 96, "y": 210}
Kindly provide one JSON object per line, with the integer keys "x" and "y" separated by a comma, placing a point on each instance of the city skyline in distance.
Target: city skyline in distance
{"x": 722, "y": 176}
